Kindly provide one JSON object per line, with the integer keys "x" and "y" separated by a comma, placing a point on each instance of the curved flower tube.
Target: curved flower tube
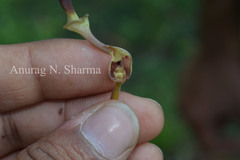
{"x": 120, "y": 66}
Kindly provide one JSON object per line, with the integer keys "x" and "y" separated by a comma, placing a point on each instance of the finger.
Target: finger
{"x": 21, "y": 86}
{"x": 108, "y": 130}
{"x": 146, "y": 151}
{"x": 12, "y": 156}
{"x": 27, "y": 126}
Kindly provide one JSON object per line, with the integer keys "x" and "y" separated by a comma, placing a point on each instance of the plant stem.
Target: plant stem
{"x": 116, "y": 91}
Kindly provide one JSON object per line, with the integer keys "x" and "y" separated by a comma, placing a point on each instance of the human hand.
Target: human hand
{"x": 58, "y": 116}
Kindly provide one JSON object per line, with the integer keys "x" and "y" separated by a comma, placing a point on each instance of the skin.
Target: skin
{"x": 24, "y": 99}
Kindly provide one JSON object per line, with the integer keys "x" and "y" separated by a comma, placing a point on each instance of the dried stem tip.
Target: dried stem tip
{"x": 67, "y": 6}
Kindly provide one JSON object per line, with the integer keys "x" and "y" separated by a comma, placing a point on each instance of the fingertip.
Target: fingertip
{"x": 72, "y": 59}
{"x": 159, "y": 114}
{"x": 149, "y": 113}
{"x": 147, "y": 151}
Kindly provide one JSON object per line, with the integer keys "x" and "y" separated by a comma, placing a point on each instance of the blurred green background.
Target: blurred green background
{"x": 161, "y": 35}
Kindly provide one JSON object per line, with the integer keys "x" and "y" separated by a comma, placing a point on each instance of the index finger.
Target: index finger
{"x": 51, "y": 69}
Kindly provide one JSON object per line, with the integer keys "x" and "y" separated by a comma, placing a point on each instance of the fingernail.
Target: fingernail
{"x": 112, "y": 129}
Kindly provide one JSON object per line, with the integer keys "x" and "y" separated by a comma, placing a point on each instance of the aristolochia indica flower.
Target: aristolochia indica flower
{"x": 120, "y": 67}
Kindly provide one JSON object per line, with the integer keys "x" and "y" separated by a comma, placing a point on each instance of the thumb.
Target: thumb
{"x": 108, "y": 130}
